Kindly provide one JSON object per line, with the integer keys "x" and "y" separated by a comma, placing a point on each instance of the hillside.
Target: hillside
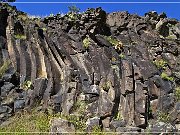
{"x": 89, "y": 72}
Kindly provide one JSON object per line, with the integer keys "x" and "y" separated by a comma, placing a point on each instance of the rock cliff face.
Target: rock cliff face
{"x": 118, "y": 71}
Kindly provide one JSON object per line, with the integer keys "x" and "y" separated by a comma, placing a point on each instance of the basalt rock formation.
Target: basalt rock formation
{"x": 120, "y": 71}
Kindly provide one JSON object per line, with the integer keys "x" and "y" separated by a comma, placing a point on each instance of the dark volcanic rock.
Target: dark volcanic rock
{"x": 93, "y": 65}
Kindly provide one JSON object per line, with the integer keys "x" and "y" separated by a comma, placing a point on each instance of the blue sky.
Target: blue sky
{"x": 42, "y": 9}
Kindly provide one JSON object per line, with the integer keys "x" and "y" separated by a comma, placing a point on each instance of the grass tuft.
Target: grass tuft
{"x": 20, "y": 36}
{"x": 4, "y": 68}
{"x": 86, "y": 43}
{"x": 166, "y": 77}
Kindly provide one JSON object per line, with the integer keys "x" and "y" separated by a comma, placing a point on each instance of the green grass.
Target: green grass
{"x": 166, "y": 77}
{"x": 22, "y": 17}
{"x": 78, "y": 122}
{"x": 122, "y": 56}
{"x": 4, "y": 67}
{"x": 25, "y": 122}
{"x": 19, "y": 36}
{"x": 44, "y": 29}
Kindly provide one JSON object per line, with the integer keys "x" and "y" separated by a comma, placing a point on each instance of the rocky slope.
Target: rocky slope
{"x": 117, "y": 71}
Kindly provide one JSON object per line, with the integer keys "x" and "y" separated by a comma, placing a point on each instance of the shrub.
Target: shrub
{"x": 79, "y": 107}
{"x": 160, "y": 64}
{"x": 163, "y": 117}
{"x": 78, "y": 122}
{"x": 51, "y": 15}
{"x": 73, "y": 9}
{"x": 20, "y": 36}
{"x": 86, "y": 43}
{"x": 118, "y": 116}
{"x": 26, "y": 85}
{"x": 44, "y": 29}
{"x": 106, "y": 86}
{"x": 116, "y": 43}
{"x": 166, "y": 77}
{"x": 4, "y": 68}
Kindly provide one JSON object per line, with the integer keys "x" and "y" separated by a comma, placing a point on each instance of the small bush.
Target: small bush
{"x": 106, "y": 86}
{"x": 20, "y": 36}
{"x": 97, "y": 130}
{"x": 166, "y": 77}
{"x": 118, "y": 116}
{"x": 160, "y": 64}
{"x": 122, "y": 56}
{"x": 79, "y": 107}
{"x": 4, "y": 68}
{"x": 86, "y": 43}
{"x": 22, "y": 17}
{"x": 163, "y": 117}
{"x": 73, "y": 9}
{"x": 26, "y": 85}
{"x": 177, "y": 93}
{"x": 44, "y": 29}
{"x": 51, "y": 15}
{"x": 116, "y": 43}
{"x": 78, "y": 122}
{"x": 113, "y": 59}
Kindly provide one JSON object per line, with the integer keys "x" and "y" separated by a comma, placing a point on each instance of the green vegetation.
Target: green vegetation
{"x": 79, "y": 107}
{"x": 73, "y": 9}
{"x": 116, "y": 43}
{"x": 86, "y": 42}
{"x": 171, "y": 37}
{"x": 26, "y": 85}
{"x": 163, "y": 117}
{"x": 26, "y": 122}
{"x": 177, "y": 93}
{"x": 113, "y": 59}
{"x": 160, "y": 64}
{"x": 51, "y": 15}
{"x": 106, "y": 86}
{"x": 166, "y": 77}
{"x": 112, "y": 40}
{"x": 20, "y": 36}
{"x": 4, "y": 68}
{"x": 22, "y": 17}
{"x": 118, "y": 116}
{"x": 122, "y": 56}
{"x": 44, "y": 29}
{"x": 73, "y": 14}
{"x": 78, "y": 122}
{"x": 97, "y": 130}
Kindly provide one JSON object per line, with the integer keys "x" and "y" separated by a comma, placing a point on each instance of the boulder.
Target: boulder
{"x": 61, "y": 126}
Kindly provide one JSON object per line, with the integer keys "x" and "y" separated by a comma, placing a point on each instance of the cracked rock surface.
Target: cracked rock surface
{"x": 122, "y": 86}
